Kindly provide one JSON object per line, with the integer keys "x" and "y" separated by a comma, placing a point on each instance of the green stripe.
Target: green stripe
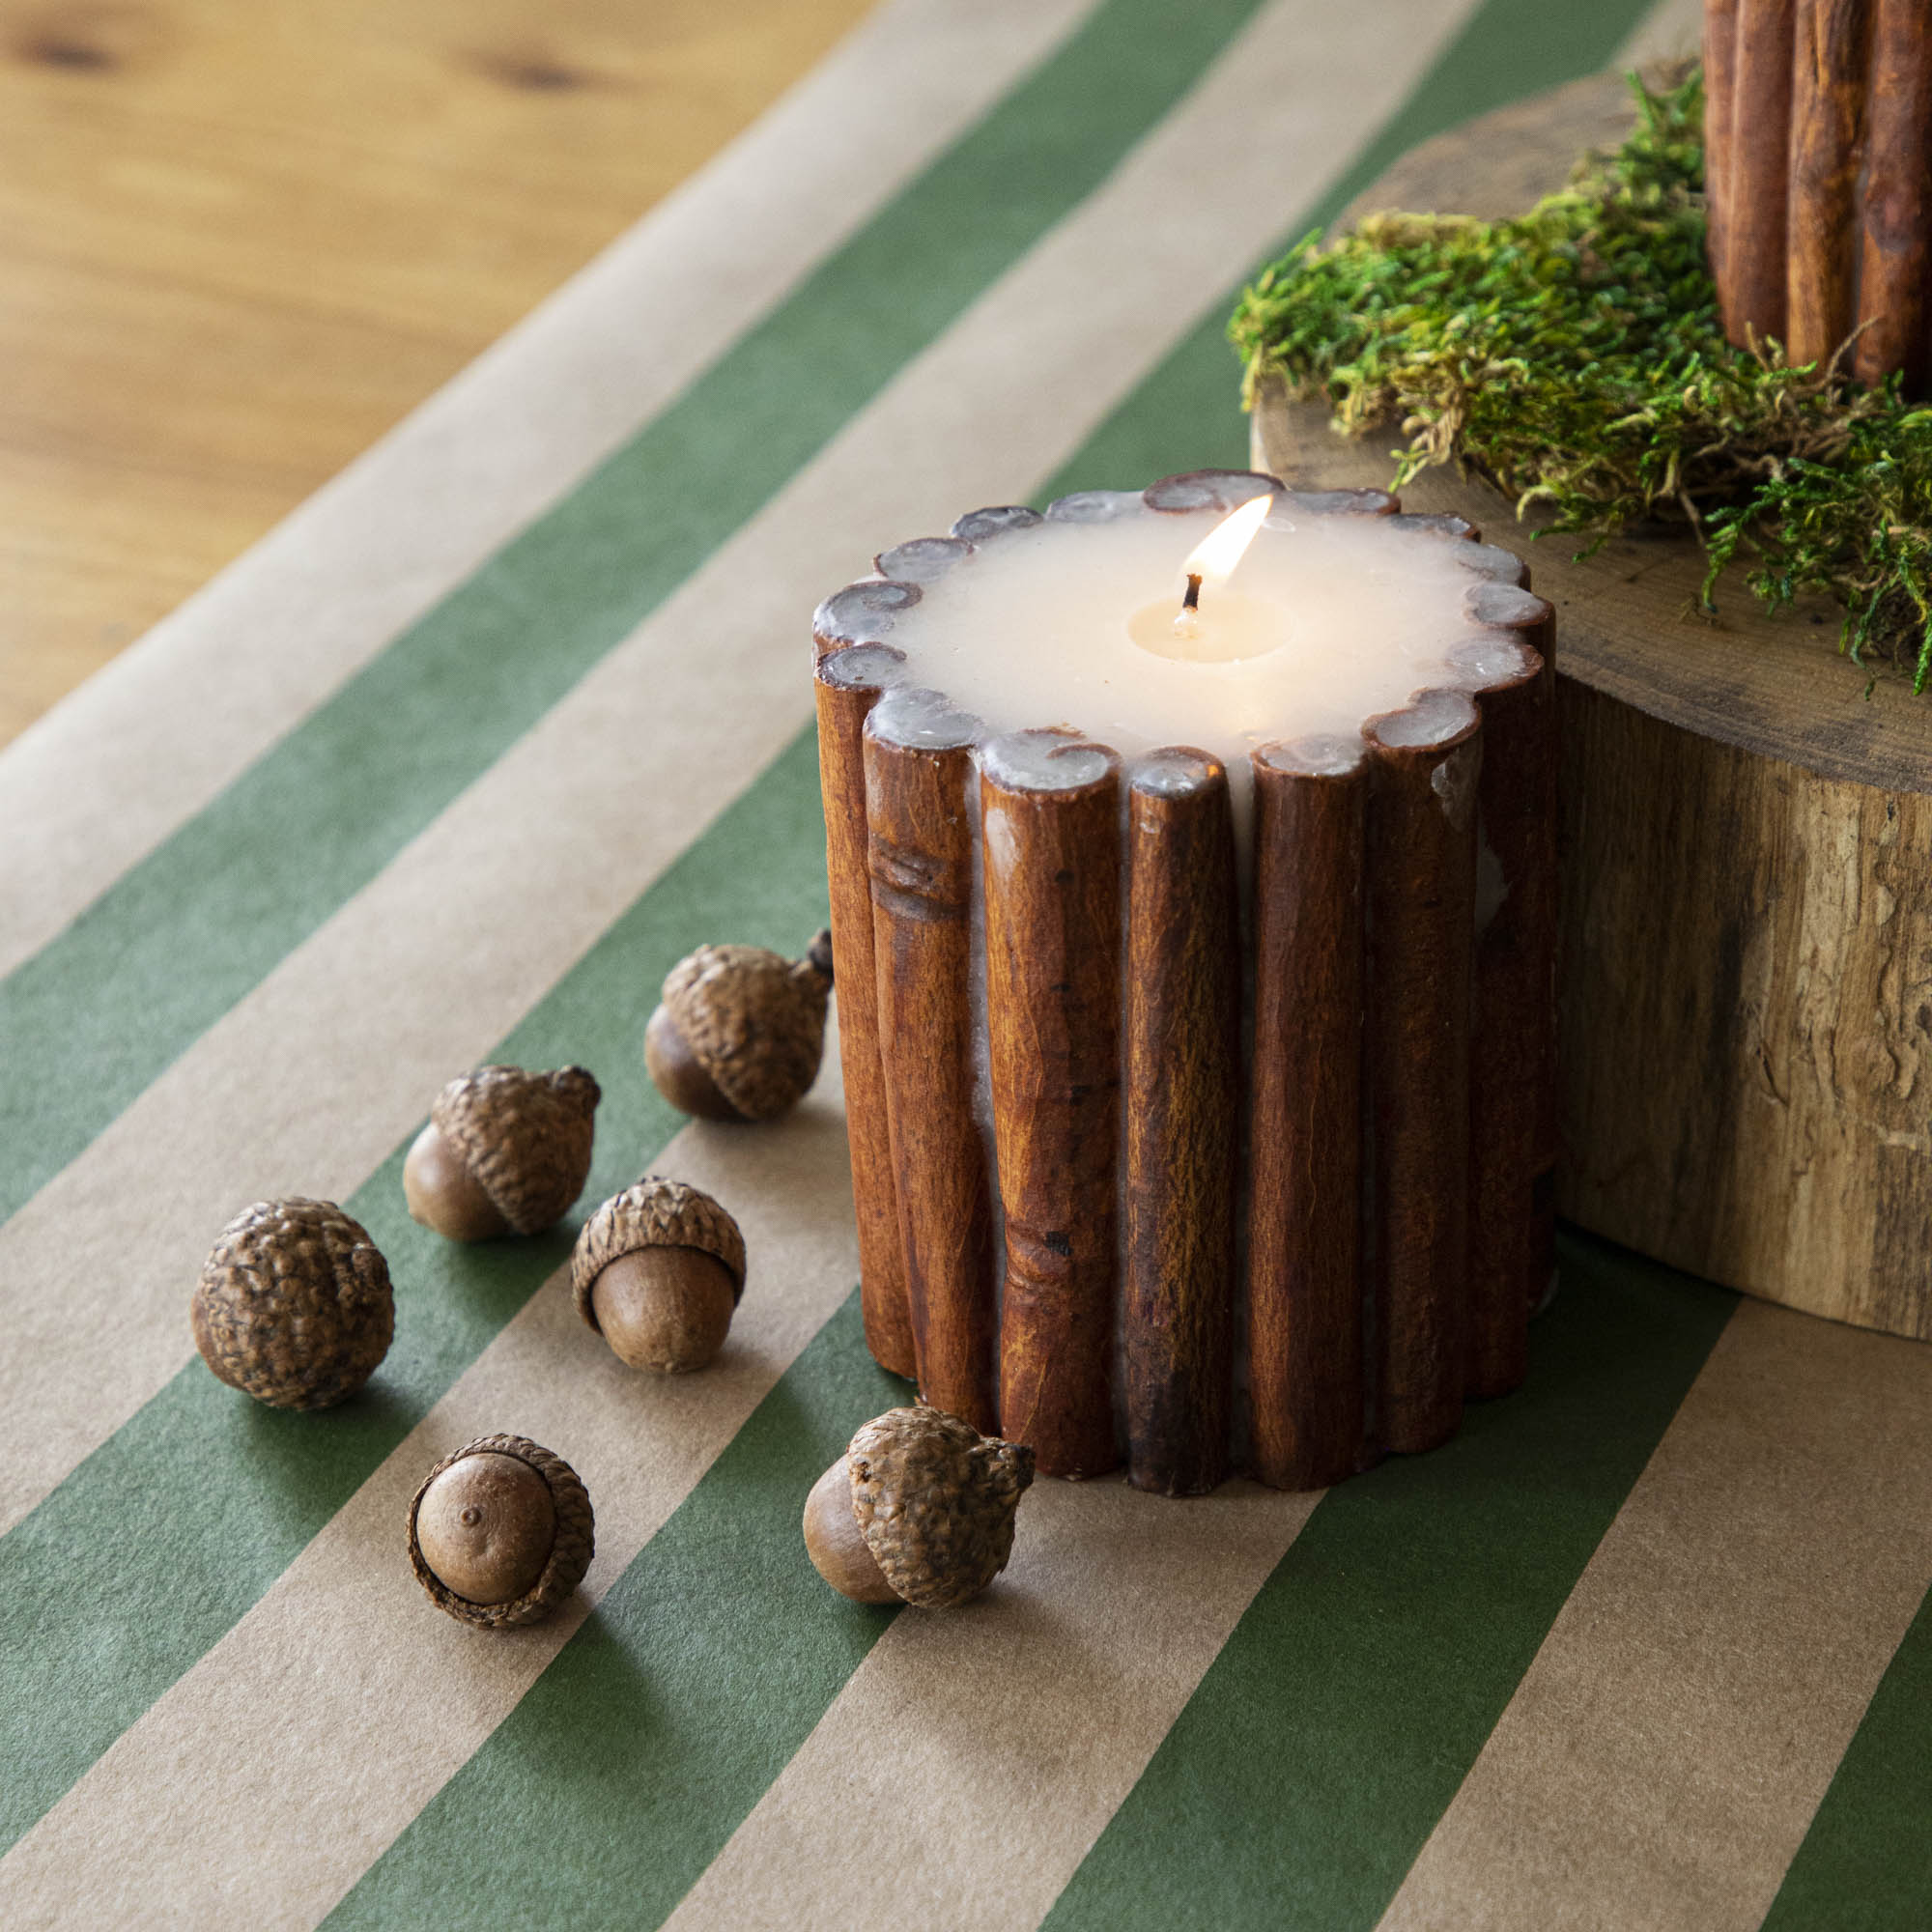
{"x": 164, "y": 1537}
{"x": 614, "y": 1782}
{"x": 105, "y": 1007}
{"x": 1865, "y": 1864}
{"x": 1331, "y": 1734}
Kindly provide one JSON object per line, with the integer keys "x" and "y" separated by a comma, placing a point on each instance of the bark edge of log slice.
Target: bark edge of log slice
{"x": 1745, "y": 871}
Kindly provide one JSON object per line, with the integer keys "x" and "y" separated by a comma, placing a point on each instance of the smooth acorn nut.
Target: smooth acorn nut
{"x": 932, "y": 1503}
{"x": 486, "y": 1526}
{"x": 294, "y": 1306}
{"x": 500, "y": 1532}
{"x": 836, "y": 1544}
{"x": 667, "y": 1308}
{"x": 504, "y": 1152}
{"x": 658, "y": 1272}
{"x": 739, "y": 1031}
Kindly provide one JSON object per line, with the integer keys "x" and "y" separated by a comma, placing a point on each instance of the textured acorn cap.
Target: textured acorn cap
{"x": 525, "y": 1138}
{"x": 655, "y": 1213}
{"x": 935, "y": 1502}
{"x": 570, "y": 1554}
{"x": 293, "y": 1305}
{"x": 754, "y": 1020}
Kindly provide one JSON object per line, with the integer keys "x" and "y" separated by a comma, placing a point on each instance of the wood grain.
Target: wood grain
{"x": 1894, "y": 314}
{"x": 1755, "y": 197}
{"x": 1182, "y": 1103}
{"x": 1830, "y": 78}
{"x": 919, "y": 854}
{"x": 847, "y": 688}
{"x": 1052, "y": 864}
{"x": 1513, "y": 1105}
{"x": 239, "y": 241}
{"x": 1747, "y": 832}
{"x": 1420, "y": 882}
{"x": 1305, "y": 1263}
{"x": 1721, "y": 66}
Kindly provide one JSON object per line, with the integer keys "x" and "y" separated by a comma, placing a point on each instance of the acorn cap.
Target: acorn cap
{"x": 293, "y": 1305}
{"x": 935, "y": 1502}
{"x": 570, "y": 1553}
{"x": 655, "y": 1213}
{"x": 754, "y": 1020}
{"x": 525, "y": 1138}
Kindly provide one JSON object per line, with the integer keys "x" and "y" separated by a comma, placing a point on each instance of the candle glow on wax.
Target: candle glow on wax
{"x": 1231, "y": 626}
{"x": 1030, "y": 621}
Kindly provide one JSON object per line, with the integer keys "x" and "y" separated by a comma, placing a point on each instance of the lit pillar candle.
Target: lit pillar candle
{"x": 1100, "y": 685}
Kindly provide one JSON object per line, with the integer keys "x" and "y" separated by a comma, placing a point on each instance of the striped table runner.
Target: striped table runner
{"x": 451, "y": 768}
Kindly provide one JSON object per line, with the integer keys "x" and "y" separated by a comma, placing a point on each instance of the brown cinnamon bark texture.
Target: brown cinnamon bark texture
{"x": 1894, "y": 314}
{"x": 1755, "y": 196}
{"x": 919, "y": 768}
{"x": 1721, "y": 54}
{"x": 1513, "y": 1100}
{"x": 1183, "y": 1008}
{"x": 849, "y": 683}
{"x": 1425, "y": 763}
{"x": 1305, "y": 1273}
{"x": 1828, "y": 129}
{"x": 1050, "y": 815}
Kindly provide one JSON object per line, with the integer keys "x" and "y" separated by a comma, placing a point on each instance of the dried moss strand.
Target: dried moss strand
{"x": 1575, "y": 356}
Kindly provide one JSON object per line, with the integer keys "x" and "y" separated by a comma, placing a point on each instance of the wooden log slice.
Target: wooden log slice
{"x": 1747, "y": 855}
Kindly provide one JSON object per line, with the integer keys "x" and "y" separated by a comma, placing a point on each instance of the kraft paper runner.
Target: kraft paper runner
{"x": 275, "y": 1768}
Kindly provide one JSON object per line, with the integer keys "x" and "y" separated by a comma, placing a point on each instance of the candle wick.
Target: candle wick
{"x": 1192, "y": 600}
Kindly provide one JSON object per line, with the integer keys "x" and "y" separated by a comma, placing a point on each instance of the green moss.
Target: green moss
{"x": 1573, "y": 356}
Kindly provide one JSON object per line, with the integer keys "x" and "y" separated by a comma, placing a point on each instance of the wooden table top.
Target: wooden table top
{"x": 239, "y": 241}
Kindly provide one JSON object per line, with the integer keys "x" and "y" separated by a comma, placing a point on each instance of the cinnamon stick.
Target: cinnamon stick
{"x": 919, "y": 767}
{"x": 1894, "y": 314}
{"x": 1421, "y": 863}
{"x": 1755, "y": 197}
{"x": 1305, "y": 1280}
{"x": 848, "y": 684}
{"x": 1513, "y": 1098}
{"x": 1828, "y": 130}
{"x": 1182, "y": 1101}
{"x": 1050, "y": 813}
{"x": 1720, "y": 58}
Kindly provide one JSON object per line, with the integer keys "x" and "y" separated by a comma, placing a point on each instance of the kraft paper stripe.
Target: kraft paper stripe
{"x": 1865, "y": 1864}
{"x": 98, "y": 1013}
{"x": 1336, "y": 1722}
{"x": 572, "y": 821}
{"x": 361, "y": 1695}
{"x": 153, "y": 739}
{"x": 164, "y": 1537}
{"x": 991, "y": 1747}
{"x": 1662, "y": 1757}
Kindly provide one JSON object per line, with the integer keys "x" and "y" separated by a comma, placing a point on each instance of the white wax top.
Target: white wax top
{"x": 1340, "y": 618}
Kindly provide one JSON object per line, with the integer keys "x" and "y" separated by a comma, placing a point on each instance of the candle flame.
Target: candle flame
{"x": 1214, "y": 558}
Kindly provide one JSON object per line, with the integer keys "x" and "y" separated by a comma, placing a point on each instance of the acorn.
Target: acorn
{"x": 658, "y": 1272}
{"x": 919, "y": 1509}
{"x": 740, "y": 1030}
{"x": 506, "y": 1153}
{"x": 502, "y": 1532}
{"x": 293, "y": 1305}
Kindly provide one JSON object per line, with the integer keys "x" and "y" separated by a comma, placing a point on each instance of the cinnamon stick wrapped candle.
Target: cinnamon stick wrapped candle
{"x": 1100, "y": 725}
